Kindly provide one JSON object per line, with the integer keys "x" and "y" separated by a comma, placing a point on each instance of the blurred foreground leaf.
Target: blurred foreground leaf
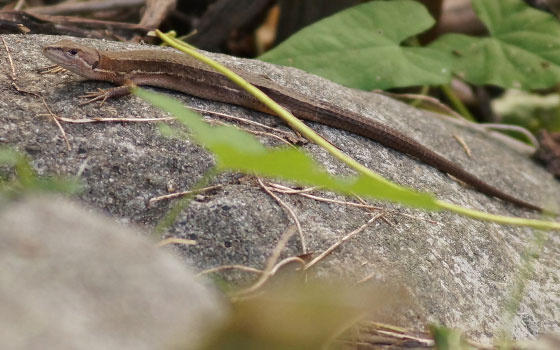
{"x": 448, "y": 339}
{"x": 23, "y": 179}
{"x": 236, "y": 150}
{"x": 296, "y": 315}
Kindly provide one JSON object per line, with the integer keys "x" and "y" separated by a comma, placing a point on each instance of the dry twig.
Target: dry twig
{"x": 175, "y": 240}
{"x": 180, "y": 194}
{"x": 290, "y": 211}
{"x": 463, "y": 144}
{"x": 245, "y": 121}
{"x": 230, "y": 267}
{"x": 270, "y": 264}
{"x": 342, "y": 240}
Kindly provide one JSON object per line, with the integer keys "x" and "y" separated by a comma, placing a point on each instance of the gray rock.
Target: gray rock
{"x": 72, "y": 279}
{"x": 460, "y": 271}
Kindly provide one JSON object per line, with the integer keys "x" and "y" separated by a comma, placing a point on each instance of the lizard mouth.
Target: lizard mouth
{"x": 52, "y": 53}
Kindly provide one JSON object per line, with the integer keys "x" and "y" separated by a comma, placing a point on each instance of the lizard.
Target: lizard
{"x": 179, "y": 72}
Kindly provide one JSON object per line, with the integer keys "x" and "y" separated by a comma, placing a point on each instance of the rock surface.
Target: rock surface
{"x": 72, "y": 279}
{"x": 460, "y": 271}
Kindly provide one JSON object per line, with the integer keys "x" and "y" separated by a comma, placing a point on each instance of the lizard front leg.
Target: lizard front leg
{"x": 104, "y": 94}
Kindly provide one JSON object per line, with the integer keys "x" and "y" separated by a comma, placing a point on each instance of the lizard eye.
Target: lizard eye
{"x": 73, "y": 52}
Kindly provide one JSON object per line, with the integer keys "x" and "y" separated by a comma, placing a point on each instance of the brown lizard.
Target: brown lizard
{"x": 180, "y": 72}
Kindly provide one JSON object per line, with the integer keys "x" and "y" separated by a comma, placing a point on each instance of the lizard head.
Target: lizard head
{"x": 74, "y": 57}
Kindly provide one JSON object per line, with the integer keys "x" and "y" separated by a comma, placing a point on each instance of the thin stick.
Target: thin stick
{"x": 109, "y": 120}
{"x": 434, "y": 101}
{"x": 254, "y": 132}
{"x": 290, "y": 211}
{"x": 289, "y": 190}
{"x": 464, "y": 145}
{"x": 342, "y": 240}
{"x": 72, "y": 8}
{"x": 363, "y": 204}
{"x": 54, "y": 69}
{"x": 270, "y": 264}
{"x": 243, "y": 120}
{"x": 516, "y": 128}
{"x": 175, "y": 240}
{"x": 181, "y": 194}
{"x": 285, "y": 262}
{"x": 230, "y": 267}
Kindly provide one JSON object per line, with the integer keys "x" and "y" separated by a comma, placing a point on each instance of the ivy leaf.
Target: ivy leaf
{"x": 361, "y": 48}
{"x": 523, "y": 50}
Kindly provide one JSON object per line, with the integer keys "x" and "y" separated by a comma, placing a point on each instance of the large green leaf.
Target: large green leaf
{"x": 523, "y": 50}
{"x": 239, "y": 151}
{"x": 361, "y": 48}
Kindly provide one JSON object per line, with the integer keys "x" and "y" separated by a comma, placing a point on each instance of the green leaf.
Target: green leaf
{"x": 26, "y": 180}
{"x": 236, "y": 150}
{"x": 523, "y": 50}
{"x": 361, "y": 48}
{"x": 9, "y": 156}
{"x": 447, "y": 339}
